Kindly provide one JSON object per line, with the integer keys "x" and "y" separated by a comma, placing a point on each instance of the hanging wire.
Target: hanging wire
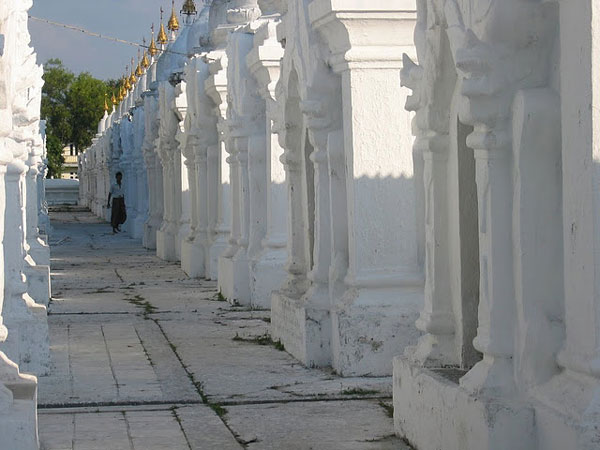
{"x": 98, "y": 35}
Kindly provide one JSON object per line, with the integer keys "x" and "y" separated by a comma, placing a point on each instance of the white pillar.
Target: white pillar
{"x": 267, "y": 266}
{"x": 26, "y": 320}
{"x": 384, "y": 283}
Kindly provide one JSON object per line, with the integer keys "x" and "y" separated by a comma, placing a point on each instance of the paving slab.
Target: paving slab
{"x": 145, "y": 358}
{"x": 333, "y": 425}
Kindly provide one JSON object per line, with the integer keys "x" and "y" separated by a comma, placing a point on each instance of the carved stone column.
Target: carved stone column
{"x": 154, "y": 172}
{"x": 216, "y": 88}
{"x": 166, "y": 236}
{"x": 267, "y": 267}
{"x": 26, "y": 320}
{"x": 372, "y": 322}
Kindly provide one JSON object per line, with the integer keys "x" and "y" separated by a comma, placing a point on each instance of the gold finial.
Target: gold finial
{"x": 126, "y": 83}
{"x": 121, "y": 90}
{"x": 152, "y": 48}
{"x": 145, "y": 61}
{"x": 173, "y": 22}
{"x": 105, "y": 102}
{"x": 132, "y": 78}
{"x": 189, "y": 8}
{"x": 113, "y": 99}
{"x": 162, "y": 35}
{"x": 138, "y": 69}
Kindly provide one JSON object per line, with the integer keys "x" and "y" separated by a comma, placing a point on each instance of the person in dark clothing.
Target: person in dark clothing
{"x": 118, "y": 213}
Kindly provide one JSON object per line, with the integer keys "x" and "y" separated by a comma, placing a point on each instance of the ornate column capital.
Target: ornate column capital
{"x": 264, "y": 60}
{"x": 360, "y": 34}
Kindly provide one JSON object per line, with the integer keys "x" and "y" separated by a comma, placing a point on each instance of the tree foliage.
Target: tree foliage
{"x": 72, "y": 106}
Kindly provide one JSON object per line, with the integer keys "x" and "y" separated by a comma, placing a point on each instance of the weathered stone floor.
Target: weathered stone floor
{"x": 144, "y": 358}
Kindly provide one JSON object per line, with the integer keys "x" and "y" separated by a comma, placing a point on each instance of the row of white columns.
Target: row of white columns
{"x": 24, "y": 252}
{"x": 280, "y": 163}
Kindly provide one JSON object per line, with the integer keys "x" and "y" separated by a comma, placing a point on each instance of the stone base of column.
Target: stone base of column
{"x": 183, "y": 232}
{"x": 234, "y": 279}
{"x": 39, "y": 284}
{"x": 371, "y": 326}
{"x": 149, "y": 238}
{"x": 431, "y": 410}
{"x": 39, "y": 251}
{"x": 44, "y": 226}
{"x": 304, "y": 331}
{"x": 566, "y": 412}
{"x": 138, "y": 227}
{"x": 18, "y": 416}
{"x": 192, "y": 258}
{"x": 27, "y": 342}
{"x": 225, "y": 278}
{"x": 129, "y": 225}
{"x": 165, "y": 246}
{"x": 267, "y": 273}
{"x": 215, "y": 251}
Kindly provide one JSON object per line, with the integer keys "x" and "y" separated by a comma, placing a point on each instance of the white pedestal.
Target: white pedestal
{"x": 303, "y": 330}
{"x": 459, "y": 420}
{"x": 192, "y": 258}
{"x": 165, "y": 245}
{"x": 38, "y": 283}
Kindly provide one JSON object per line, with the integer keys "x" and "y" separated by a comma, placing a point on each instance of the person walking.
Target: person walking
{"x": 118, "y": 212}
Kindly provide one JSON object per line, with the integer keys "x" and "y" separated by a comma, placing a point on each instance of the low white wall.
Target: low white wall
{"x": 62, "y": 192}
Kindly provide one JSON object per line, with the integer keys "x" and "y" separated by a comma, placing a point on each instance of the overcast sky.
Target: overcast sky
{"x": 124, "y": 19}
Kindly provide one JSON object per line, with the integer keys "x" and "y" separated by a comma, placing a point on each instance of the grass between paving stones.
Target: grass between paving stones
{"x": 359, "y": 391}
{"x": 178, "y": 420}
{"x": 141, "y": 302}
{"x": 219, "y": 410}
{"x": 103, "y": 290}
{"x": 144, "y": 347}
{"x": 389, "y": 409}
{"x": 263, "y": 339}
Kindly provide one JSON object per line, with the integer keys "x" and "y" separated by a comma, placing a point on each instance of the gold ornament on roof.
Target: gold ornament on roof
{"x": 105, "y": 102}
{"x": 132, "y": 78}
{"x": 138, "y": 69}
{"x": 162, "y": 35}
{"x": 145, "y": 61}
{"x": 126, "y": 83}
{"x": 113, "y": 99}
{"x": 152, "y": 48}
{"x": 173, "y": 22}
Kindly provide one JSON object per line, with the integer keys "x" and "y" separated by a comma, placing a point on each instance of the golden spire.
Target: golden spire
{"x": 173, "y": 22}
{"x": 152, "y": 48}
{"x": 126, "y": 83}
{"x": 145, "y": 61}
{"x": 162, "y": 35}
{"x": 132, "y": 78}
{"x": 138, "y": 69}
{"x": 121, "y": 91}
{"x": 113, "y": 99}
{"x": 105, "y": 102}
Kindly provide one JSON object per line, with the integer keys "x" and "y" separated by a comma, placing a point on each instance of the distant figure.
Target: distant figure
{"x": 119, "y": 213}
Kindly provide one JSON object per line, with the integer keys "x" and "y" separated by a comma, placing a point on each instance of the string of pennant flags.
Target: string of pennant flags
{"x": 99, "y": 35}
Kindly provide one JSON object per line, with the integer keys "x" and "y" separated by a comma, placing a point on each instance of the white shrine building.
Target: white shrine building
{"x": 411, "y": 187}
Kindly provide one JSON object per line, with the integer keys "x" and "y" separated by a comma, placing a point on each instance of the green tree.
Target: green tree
{"x": 72, "y": 106}
{"x": 57, "y": 80}
{"x": 85, "y": 100}
{"x": 55, "y": 157}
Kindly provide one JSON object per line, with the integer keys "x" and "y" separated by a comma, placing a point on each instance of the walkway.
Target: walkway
{"x": 144, "y": 358}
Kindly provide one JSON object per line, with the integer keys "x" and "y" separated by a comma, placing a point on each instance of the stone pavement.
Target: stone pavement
{"x": 145, "y": 358}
